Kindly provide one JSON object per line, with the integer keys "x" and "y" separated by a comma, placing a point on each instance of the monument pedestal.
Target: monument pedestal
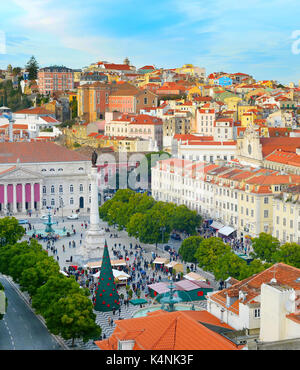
{"x": 93, "y": 245}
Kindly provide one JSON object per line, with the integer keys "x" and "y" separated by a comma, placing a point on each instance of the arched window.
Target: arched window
{"x": 71, "y": 201}
{"x": 52, "y": 202}
{"x": 52, "y": 189}
{"x": 61, "y": 189}
{"x": 44, "y": 190}
{"x": 71, "y": 188}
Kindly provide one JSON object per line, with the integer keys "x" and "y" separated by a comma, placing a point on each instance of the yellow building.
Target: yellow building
{"x": 242, "y": 109}
{"x": 232, "y": 102}
{"x": 286, "y": 215}
{"x": 248, "y": 119}
{"x": 194, "y": 91}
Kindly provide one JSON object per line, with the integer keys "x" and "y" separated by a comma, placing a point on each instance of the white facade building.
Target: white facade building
{"x": 36, "y": 175}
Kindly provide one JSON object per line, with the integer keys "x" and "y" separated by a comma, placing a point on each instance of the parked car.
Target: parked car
{"x": 22, "y": 222}
{"x": 175, "y": 236}
{"x": 44, "y": 217}
{"x": 167, "y": 248}
{"x": 73, "y": 216}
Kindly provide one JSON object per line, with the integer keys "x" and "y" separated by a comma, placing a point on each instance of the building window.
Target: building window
{"x": 52, "y": 189}
{"x": 61, "y": 190}
{"x": 52, "y": 202}
{"x": 257, "y": 313}
{"x": 266, "y": 214}
{"x": 44, "y": 203}
{"x": 71, "y": 188}
{"x": 81, "y": 188}
{"x": 44, "y": 190}
{"x": 266, "y": 200}
{"x": 71, "y": 201}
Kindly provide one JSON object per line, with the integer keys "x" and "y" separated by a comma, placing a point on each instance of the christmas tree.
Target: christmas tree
{"x": 106, "y": 294}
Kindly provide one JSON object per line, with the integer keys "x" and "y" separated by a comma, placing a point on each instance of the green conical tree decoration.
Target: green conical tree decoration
{"x": 106, "y": 297}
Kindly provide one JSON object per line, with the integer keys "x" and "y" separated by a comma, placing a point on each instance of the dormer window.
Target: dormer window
{"x": 52, "y": 169}
{"x": 44, "y": 170}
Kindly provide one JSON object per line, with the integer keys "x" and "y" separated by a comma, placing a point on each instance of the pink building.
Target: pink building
{"x": 132, "y": 125}
{"x": 55, "y": 78}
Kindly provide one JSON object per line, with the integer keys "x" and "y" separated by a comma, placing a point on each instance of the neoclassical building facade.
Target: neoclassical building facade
{"x": 37, "y": 175}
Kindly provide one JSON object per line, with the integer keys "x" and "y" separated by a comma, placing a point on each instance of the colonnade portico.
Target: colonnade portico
{"x": 20, "y": 197}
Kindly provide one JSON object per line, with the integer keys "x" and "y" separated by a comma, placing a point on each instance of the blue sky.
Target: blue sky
{"x": 253, "y": 37}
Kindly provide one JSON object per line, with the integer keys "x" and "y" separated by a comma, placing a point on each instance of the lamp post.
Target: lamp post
{"x": 61, "y": 204}
{"x": 162, "y": 229}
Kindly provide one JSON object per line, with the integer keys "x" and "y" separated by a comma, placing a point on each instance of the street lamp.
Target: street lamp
{"x": 162, "y": 229}
{"x": 61, "y": 204}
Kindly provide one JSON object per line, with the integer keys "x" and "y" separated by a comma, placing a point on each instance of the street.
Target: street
{"x": 20, "y": 328}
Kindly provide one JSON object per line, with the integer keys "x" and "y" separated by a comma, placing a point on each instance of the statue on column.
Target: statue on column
{"x": 94, "y": 158}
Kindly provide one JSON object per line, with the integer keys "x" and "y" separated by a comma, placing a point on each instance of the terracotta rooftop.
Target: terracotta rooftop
{"x": 284, "y": 275}
{"x": 161, "y": 330}
{"x": 36, "y": 152}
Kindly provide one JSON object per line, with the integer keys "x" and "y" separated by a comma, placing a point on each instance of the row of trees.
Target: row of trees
{"x": 65, "y": 306}
{"x": 213, "y": 255}
{"x": 269, "y": 249}
{"x": 146, "y": 219}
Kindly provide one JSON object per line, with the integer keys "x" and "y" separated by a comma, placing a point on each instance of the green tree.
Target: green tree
{"x": 208, "y": 252}
{"x": 189, "y": 247}
{"x": 57, "y": 287}
{"x": 16, "y": 71}
{"x": 228, "y": 264}
{"x": 73, "y": 317}
{"x": 253, "y": 268}
{"x": 34, "y": 277}
{"x": 10, "y": 231}
{"x": 186, "y": 220}
{"x": 20, "y": 263}
{"x": 32, "y": 68}
{"x": 265, "y": 246}
{"x": 288, "y": 253}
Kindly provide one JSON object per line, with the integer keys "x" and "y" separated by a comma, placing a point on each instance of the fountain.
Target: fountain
{"x": 49, "y": 223}
{"x": 49, "y": 229}
{"x": 170, "y": 302}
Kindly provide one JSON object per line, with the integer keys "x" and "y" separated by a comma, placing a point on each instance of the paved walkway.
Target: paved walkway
{"x": 147, "y": 249}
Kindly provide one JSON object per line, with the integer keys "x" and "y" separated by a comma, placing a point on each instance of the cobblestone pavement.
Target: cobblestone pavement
{"x": 124, "y": 240}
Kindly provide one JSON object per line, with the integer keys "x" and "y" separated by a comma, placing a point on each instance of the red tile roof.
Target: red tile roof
{"x": 36, "y": 152}
{"x": 161, "y": 330}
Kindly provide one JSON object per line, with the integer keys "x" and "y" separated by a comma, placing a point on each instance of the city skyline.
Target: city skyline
{"x": 252, "y": 37}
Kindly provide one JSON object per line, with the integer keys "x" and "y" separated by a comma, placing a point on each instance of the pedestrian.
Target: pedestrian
{"x": 109, "y": 320}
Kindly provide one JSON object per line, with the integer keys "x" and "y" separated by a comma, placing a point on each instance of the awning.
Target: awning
{"x": 135, "y": 302}
{"x": 120, "y": 275}
{"x": 216, "y": 225}
{"x": 226, "y": 230}
{"x": 194, "y": 277}
{"x": 160, "y": 261}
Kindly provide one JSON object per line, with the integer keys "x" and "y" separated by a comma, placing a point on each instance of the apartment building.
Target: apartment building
{"x": 51, "y": 79}
{"x": 238, "y": 196}
{"x": 286, "y": 215}
{"x": 133, "y": 125}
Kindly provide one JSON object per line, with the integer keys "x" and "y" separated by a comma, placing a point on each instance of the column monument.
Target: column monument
{"x": 93, "y": 246}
